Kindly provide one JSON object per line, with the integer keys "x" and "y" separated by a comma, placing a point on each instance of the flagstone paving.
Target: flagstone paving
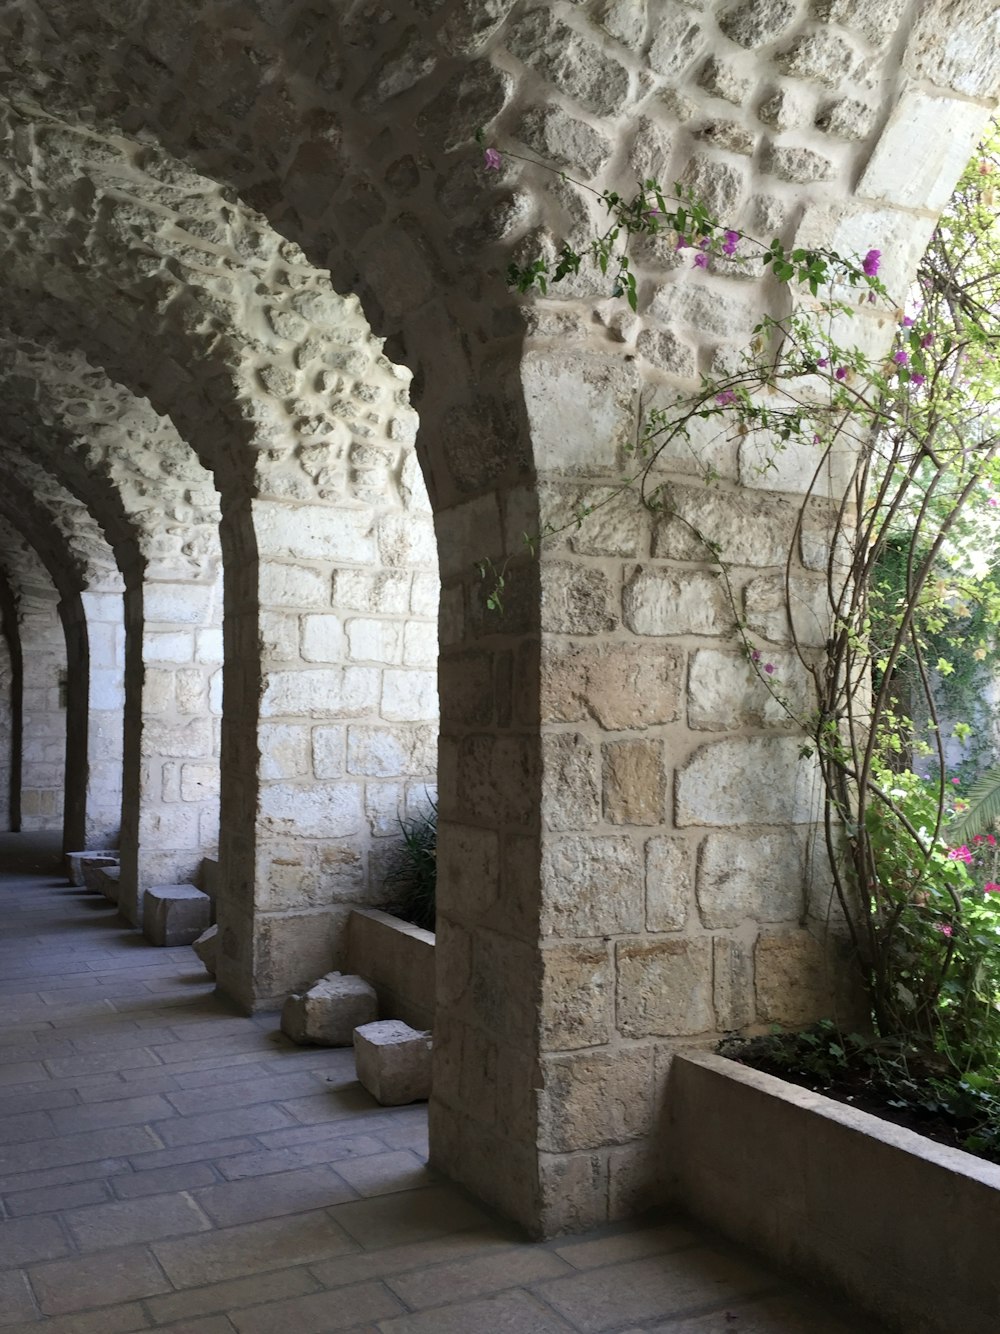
{"x": 168, "y": 1164}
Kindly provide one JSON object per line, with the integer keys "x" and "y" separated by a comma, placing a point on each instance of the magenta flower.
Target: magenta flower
{"x": 701, "y": 261}
{"x": 901, "y": 358}
{"x": 993, "y": 502}
{"x": 927, "y": 340}
{"x": 991, "y": 887}
{"x": 492, "y": 160}
{"x": 823, "y": 361}
{"x": 682, "y": 243}
{"x": 961, "y": 854}
{"x": 755, "y": 655}
{"x": 769, "y": 668}
{"x": 917, "y": 379}
{"x": 841, "y": 372}
{"x": 991, "y": 840}
{"x": 727, "y": 396}
{"x": 871, "y": 262}
{"x": 907, "y": 322}
{"x": 956, "y": 781}
{"x": 944, "y": 928}
{"x": 730, "y": 243}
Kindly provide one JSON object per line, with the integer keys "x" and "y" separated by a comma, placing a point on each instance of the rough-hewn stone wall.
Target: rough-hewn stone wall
{"x": 624, "y": 852}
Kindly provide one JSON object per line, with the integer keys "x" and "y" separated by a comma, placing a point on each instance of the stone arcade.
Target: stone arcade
{"x": 245, "y": 249}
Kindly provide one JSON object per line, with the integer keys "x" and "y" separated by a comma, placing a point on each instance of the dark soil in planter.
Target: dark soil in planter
{"x": 920, "y": 1093}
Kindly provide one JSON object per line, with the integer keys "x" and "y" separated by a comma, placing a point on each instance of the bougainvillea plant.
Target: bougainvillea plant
{"x": 915, "y": 443}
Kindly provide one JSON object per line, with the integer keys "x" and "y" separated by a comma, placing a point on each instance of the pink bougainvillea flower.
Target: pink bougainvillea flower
{"x": 917, "y": 379}
{"x": 979, "y": 839}
{"x": 993, "y": 502}
{"x": 492, "y": 159}
{"x": 991, "y": 840}
{"x": 901, "y": 358}
{"x": 730, "y": 242}
{"x": 871, "y": 262}
{"x": 956, "y": 781}
{"x": 701, "y": 261}
{"x": 841, "y": 372}
{"x": 961, "y": 854}
{"x": 726, "y": 397}
{"x": 944, "y": 928}
{"x": 991, "y": 887}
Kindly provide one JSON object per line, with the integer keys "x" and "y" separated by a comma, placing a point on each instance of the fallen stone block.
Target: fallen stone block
{"x": 207, "y": 949}
{"x": 329, "y": 1012}
{"x": 107, "y": 879}
{"x": 175, "y": 914}
{"x": 90, "y": 866}
{"x": 393, "y": 1061}
{"x": 75, "y": 860}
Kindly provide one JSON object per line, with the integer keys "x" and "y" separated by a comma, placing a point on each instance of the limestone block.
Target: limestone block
{"x": 570, "y": 781}
{"x": 663, "y": 602}
{"x": 757, "y": 877}
{"x": 575, "y": 65}
{"x": 669, "y": 884}
{"x": 767, "y": 603}
{"x": 679, "y": 38}
{"x": 785, "y": 109}
{"x": 207, "y": 948}
{"x": 726, "y": 693}
{"x": 591, "y": 887}
{"x": 751, "y": 780}
{"x": 75, "y": 860}
{"x": 622, "y": 686}
{"x": 758, "y": 22}
{"x": 559, "y": 137}
{"x": 824, "y": 56}
{"x": 634, "y": 782}
{"x": 575, "y": 600}
{"x": 106, "y": 878}
{"x": 393, "y": 1061}
{"x": 922, "y": 151}
{"x": 581, "y": 411}
{"x": 800, "y": 165}
{"x": 578, "y": 991}
{"x": 174, "y": 914}
{"x": 664, "y": 987}
{"x": 725, "y": 79}
{"x": 91, "y": 863}
{"x": 329, "y": 1012}
{"x": 593, "y": 1098}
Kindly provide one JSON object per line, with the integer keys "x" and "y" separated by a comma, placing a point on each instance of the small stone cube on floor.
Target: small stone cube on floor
{"x": 175, "y": 914}
{"x": 329, "y": 1012}
{"x": 393, "y": 1061}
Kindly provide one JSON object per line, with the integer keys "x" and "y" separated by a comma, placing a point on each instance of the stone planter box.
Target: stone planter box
{"x": 905, "y": 1227}
{"x": 398, "y": 960}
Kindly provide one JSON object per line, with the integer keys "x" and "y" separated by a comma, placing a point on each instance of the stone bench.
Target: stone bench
{"x": 75, "y": 860}
{"x": 91, "y": 864}
{"x": 106, "y": 879}
{"x": 393, "y": 1061}
{"x": 175, "y": 914}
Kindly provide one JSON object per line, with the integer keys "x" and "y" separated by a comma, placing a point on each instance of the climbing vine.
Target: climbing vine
{"x": 903, "y": 456}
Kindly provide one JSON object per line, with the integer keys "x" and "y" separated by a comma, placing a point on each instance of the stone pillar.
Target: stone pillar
{"x": 172, "y": 730}
{"x": 104, "y": 612}
{"x": 330, "y": 726}
{"x": 43, "y": 702}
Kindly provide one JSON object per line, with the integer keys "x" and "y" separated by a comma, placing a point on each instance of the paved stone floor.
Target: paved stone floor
{"x": 168, "y": 1164}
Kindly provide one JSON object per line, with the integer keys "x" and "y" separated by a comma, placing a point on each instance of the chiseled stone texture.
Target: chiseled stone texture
{"x": 393, "y": 1062}
{"x": 295, "y": 136}
{"x": 664, "y": 987}
{"x": 756, "y": 879}
{"x": 329, "y": 1012}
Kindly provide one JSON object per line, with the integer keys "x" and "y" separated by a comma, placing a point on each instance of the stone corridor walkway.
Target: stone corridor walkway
{"x": 167, "y": 1164}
